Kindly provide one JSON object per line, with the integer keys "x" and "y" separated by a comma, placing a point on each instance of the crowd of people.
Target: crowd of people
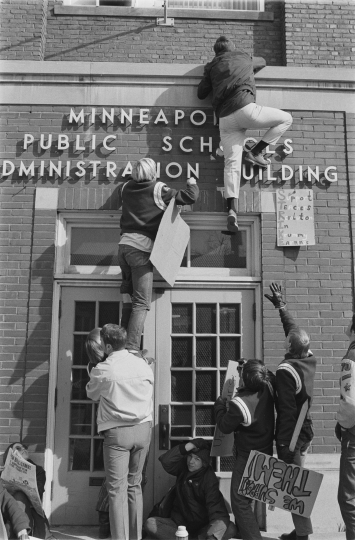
{"x": 121, "y": 378}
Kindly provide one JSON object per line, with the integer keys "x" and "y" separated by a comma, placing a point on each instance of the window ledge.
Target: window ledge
{"x": 152, "y": 13}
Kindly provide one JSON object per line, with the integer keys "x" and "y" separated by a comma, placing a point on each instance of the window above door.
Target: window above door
{"x": 87, "y": 245}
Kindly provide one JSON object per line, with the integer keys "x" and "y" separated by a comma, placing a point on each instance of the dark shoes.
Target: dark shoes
{"x": 257, "y": 159}
{"x": 293, "y": 536}
{"x": 232, "y": 224}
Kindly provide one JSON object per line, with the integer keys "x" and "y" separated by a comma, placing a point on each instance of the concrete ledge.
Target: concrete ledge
{"x": 153, "y": 13}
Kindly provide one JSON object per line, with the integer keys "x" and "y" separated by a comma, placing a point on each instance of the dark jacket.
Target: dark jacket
{"x": 346, "y": 412}
{"x": 198, "y": 501}
{"x": 12, "y": 512}
{"x": 143, "y": 204}
{"x": 251, "y": 416}
{"x": 230, "y": 78}
{"x": 294, "y": 386}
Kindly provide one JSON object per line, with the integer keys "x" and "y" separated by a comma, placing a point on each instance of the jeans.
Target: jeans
{"x": 242, "y": 506}
{"x": 346, "y": 491}
{"x": 165, "y": 528}
{"x": 303, "y": 525}
{"x": 125, "y": 450}
{"x": 137, "y": 279}
{"x": 233, "y": 132}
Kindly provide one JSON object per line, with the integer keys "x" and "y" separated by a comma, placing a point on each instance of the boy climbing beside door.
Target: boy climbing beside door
{"x": 143, "y": 202}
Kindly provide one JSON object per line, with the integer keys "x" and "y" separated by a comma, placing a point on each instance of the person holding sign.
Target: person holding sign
{"x": 345, "y": 432}
{"x": 143, "y": 202}
{"x": 196, "y": 501}
{"x": 251, "y": 416}
{"x": 230, "y": 78}
{"x": 294, "y": 387}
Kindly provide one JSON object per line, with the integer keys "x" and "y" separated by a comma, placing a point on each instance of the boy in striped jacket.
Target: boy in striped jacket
{"x": 250, "y": 415}
{"x": 294, "y": 386}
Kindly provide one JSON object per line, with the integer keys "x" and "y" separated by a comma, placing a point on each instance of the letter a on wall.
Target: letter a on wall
{"x": 222, "y": 444}
{"x": 170, "y": 243}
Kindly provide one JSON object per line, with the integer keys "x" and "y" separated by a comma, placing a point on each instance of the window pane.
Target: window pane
{"x": 205, "y": 416}
{"x": 94, "y": 246}
{"x": 98, "y": 455}
{"x": 79, "y": 455}
{"x": 204, "y": 431}
{"x": 109, "y": 312}
{"x": 181, "y": 415}
{"x": 222, "y": 378}
{"x": 214, "y": 249}
{"x": 206, "y": 355}
{"x": 80, "y": 379}
{"x": 229, "y": 318}
{"x": 230, "y": 350}
{"x": 206, "y": 386}
{"x": 181, "y": 318}
{"x": 181, "y": 386}
{"x": 205, "y": 318}
{"x": 80, "y": 357}
{"x": 80, "y": 422}
{"x": 227, "y": 463}
{"x": 185, "y": 431}
{"x": 215, "y": 4}
{"x": 84, "y": 316}
{"x": 181, "y": 352}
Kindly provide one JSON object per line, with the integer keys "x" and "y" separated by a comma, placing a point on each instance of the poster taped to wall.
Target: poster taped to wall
{"x": 295, "y": 217}
{"x": 222, "y": 444}
{"x": 272, "y": 481}
{"x": 170, "y": 243}
{"x": 20, "y": 475}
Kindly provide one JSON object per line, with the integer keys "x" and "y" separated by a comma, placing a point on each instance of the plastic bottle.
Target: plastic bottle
{"x": 181, "y": 533}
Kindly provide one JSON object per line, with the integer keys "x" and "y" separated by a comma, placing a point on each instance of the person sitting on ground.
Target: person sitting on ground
{"x": 143, "y": 202}
{"x": 251, "y": 416}
{"x": 294, "y": 387}
{"x": 197, "y": 502}
{"x": 14, "y": 523}
{"x": 38, "y": 524}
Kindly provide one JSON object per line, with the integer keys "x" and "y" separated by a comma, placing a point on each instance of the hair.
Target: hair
{"x": 93, "y": 346}
{"x": 223, "y": 44}
{"x": 11, "y": 446}
{"x": 144, "y": 169}
{"x": 114, "y": 335}
{"x": 255, "y": 375}
{"x": 299, "y": 343}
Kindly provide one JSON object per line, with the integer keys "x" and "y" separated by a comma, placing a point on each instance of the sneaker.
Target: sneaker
{"x": 232, "y": 224}
{"x": 258, "y": 160}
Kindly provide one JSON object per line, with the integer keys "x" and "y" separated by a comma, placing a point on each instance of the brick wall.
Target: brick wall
{"x": 21, "y": 23}
{"x": 317, "y": 279}
{"x": 320, "y": 33}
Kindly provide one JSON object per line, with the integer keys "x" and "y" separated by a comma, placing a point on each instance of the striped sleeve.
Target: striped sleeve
{"x": 292, "y": 371}
{"x": 244, "y": 410}
{"x": 158, "y": 199}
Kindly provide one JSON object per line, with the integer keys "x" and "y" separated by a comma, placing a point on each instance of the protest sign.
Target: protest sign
{"x": 272, "y": 481}
{"x": 295, "y": 217}
{"x": 20, "y": 475}
{"x": 170, "y": 243}
{"x": 222, "y": 444}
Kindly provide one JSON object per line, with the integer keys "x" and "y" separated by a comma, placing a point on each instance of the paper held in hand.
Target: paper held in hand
{"x": 170, "y": 243}
{"x": 222, "y": 444}
{"x": 20, "y": 475}
{"x": 272, "y": 481}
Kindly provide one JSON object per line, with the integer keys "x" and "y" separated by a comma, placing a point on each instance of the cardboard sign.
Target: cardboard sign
{"x": 222, "y": 444}
{"x": 295, "y": 217}
{"x": 170, "y": 243}
{"x": 272, "y": 481}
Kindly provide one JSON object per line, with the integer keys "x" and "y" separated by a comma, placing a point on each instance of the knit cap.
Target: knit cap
{"x": 203, "y": 453}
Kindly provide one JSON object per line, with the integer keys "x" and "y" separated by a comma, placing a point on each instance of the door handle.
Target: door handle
{"x": 164, "y": 427}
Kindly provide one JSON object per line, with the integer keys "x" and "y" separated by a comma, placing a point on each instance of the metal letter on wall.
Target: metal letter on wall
{"x": 295, "y": 217}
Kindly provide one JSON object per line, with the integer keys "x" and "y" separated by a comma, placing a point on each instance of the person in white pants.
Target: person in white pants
{"x": 230, "y": 78}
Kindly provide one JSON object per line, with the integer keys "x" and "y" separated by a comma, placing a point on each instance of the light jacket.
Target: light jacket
{"x": 124, "y": 385}
{"x": 346, "y": 412}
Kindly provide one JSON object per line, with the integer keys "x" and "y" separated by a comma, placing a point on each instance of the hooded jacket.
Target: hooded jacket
{"x": 198, "y": 501}
{"x": 124, "y": 385}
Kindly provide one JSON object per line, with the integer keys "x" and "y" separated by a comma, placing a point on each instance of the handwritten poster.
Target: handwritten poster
{"x": 295, "y": 217}
{"x": 272, "y": 481}
{"x": 222, "y": 444}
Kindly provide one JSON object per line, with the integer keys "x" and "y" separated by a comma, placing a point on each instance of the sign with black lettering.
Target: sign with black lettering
{"x": 295, "y": 217}
{"x": 272, "y": 481}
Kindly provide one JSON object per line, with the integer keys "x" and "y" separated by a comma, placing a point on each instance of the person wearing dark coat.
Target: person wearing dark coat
{"x": 251, "y": 416}
{"x": 38, "y": 524}
{"x": 294, "y": 387}
{"x": 12, "y": 514}
{"x": 198, "y": 503}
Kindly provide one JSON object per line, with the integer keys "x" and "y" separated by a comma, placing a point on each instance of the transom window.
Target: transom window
{"x": 235, "y": 5}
